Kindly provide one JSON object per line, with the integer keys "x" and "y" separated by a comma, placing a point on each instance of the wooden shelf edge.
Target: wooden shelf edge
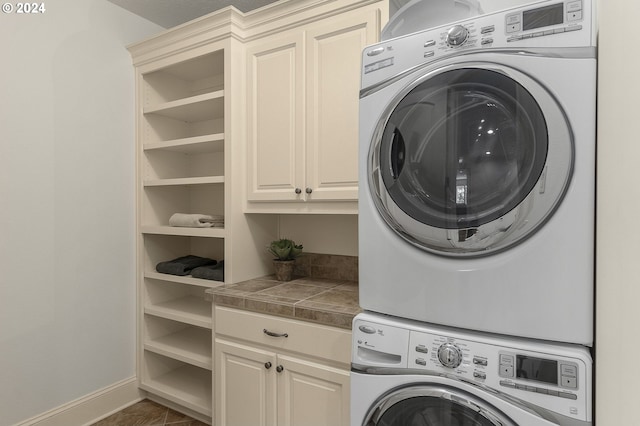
{"x": 164, "y": 106}
{"x": 184, "y": 232}
{"x": 205, "y": 180}
{"x": 176, "y": 144}
{"x": 183, "y": 279}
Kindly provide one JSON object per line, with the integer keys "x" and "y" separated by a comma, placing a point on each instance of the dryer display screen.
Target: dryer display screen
{"x": 538, "y": 369}
{"x": 542, "y": 17}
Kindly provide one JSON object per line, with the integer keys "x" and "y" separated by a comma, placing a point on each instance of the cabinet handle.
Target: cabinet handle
{"x": 272, "y": 334}
{"x": 267, "y": 365}
{"x": 279, "y": 369}
{"x": 298, "y": 191}
{"x": 308, "y": 190}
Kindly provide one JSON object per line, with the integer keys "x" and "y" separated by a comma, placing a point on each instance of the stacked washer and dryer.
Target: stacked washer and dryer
{"x": 476, "y": 222}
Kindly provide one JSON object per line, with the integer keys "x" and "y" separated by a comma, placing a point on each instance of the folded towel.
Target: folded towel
{"x": 214, "y": 221}
{"x": 210, "y": 272}
{"x": 183, "y": 265}
{"x": 191, "y": 220}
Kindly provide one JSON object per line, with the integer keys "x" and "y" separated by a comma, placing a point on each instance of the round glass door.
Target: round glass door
{"x": 434, "y": 406}
{"x": 460, "y": 162}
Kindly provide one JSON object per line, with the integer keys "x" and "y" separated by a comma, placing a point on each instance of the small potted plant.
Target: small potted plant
{"x": 285, "y": 251}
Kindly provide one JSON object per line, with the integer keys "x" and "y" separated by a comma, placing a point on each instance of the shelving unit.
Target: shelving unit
{"x": 190, "y": 130}
{"x": 181, "y": 170}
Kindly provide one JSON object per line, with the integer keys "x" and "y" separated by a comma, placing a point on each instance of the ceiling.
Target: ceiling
{"x": 170, "y": 13}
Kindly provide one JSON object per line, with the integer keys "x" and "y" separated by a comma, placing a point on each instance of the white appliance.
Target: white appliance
{"x": 477, "y": 164}
{"x": 406, "y": 373}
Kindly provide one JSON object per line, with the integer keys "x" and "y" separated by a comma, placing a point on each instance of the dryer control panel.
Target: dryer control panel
{"x": 554, "y": 376}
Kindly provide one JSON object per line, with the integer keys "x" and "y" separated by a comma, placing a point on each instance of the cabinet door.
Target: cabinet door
{"x": 312, "y": 394}
{"x": 245, "y": 385}
{"x": 276, "y": 118}
{"x": 334, "y": 50}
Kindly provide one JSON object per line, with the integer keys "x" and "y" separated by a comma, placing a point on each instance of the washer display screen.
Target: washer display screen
{"x": 542, "y": 17}
{"x": 538, "y": 369}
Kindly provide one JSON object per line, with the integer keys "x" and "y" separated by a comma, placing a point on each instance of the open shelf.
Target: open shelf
{"x": 182, "y": 231}
{"x": 199, "y": 75}
{"x": 178, "y": 382}
{"x": 190, "y": 145}
{"x": 176, "y": 340}
{"x": 192, "y": 109}
{"x": 182, "y": 101}
{"x": 189, "y": 310}
{"x": 162, "y": 247}
{"x": 187, "y": 279}
{"x": 159, "y": 203}
{"x": 185, "y": 181}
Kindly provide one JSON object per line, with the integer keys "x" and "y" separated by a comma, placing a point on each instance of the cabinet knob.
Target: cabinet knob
{"x": 298, "y": 191}
{"x": 279, "y": 369}
{"x": 308, "y": 190}
{"x": 267, "y": 365}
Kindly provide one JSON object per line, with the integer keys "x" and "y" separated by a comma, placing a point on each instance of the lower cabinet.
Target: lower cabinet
{"x": 269, "y": 381}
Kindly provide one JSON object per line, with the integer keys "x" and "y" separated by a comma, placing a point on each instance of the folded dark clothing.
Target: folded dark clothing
{"x": 183, "y": 265}
{"x": 210, "y": 272}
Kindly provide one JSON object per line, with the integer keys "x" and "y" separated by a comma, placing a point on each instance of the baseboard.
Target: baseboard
{"x": 90, "y": 408}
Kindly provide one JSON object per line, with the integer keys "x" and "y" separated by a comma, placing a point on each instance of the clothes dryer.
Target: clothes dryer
{"x": 406, "y": 373}
{"x": 477, "y": 164}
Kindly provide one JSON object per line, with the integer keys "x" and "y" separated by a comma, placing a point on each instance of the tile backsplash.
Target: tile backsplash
{"x": 328, "y": 266}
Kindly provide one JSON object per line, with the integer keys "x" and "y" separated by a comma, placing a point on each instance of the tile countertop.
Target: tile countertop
{"x": 319, "y": 300}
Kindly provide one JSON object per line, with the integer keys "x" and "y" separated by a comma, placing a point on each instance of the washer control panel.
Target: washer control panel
{"x": 554, "y": 376}
{"x": 545, "y": 24}
{"x": 546, "y": 20}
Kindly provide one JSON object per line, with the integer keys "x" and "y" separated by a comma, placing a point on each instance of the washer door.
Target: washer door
{"x": 470, "y": 159}
{"x": 428, "y": 405}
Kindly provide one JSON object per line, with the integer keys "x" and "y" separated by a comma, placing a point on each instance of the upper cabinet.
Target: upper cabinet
{"x": 302, "y": 114}
{"x": 275, "y": 118}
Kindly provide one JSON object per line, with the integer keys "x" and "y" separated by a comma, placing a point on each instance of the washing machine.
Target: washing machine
{"x": 406, "y": 373}
{"x": 477, "y": 173}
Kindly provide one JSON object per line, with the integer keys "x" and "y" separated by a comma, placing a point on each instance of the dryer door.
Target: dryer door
{"x": 470, "y": 159}
{"x": 428, "y": 405}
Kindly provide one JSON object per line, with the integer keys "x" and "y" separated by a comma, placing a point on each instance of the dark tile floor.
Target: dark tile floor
{"x": 148, "y": 413}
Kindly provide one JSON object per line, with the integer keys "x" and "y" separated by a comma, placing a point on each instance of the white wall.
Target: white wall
{"x": 618, "y": 211}
{"x": 67, "y": 282}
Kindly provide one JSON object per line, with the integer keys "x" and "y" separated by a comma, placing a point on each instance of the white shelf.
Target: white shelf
{"x": 206, "y": 180}
{"x": 188, "y": 386}
{"x": 194, "y": 108}
{"x": 189, "y": 310}
{"x": 191, "y": 345}
{"x": 184, "y": 232}
{"x": 183, "y": 279}
{"x": 192, "y": 145}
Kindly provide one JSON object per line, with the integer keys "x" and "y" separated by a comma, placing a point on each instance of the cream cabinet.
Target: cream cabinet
{"x": 265, "y": 378}
{"x": 302, "y": 117}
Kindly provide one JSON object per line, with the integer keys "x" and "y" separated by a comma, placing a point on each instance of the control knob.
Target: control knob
{"x": 457, "y": 35}
{"x": 450, "y": 355}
